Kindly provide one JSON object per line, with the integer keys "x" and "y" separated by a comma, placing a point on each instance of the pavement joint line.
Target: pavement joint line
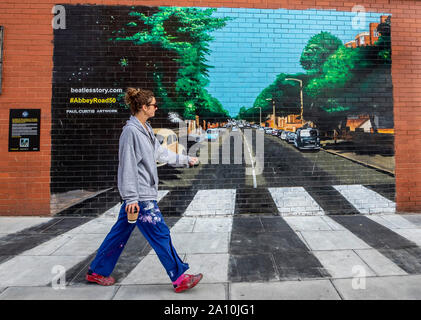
{"x": 361, "y": 258}
{"x": 274, "y": 264}
{"x": 304, "y": 240}
{"x": 228, "y": 291}
{"x": 336, "y": 289}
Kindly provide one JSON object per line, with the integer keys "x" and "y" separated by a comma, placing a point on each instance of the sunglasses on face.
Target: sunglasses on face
{"x": 155, "y": 105}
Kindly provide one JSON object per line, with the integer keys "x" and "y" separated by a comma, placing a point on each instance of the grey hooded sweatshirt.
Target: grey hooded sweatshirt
{"x": 137, "y": 171}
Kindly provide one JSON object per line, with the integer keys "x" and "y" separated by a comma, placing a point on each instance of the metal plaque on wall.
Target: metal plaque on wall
{"x": 24, "y": 129}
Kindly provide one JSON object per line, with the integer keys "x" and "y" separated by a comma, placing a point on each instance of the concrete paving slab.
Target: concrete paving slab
{"x": 166, "y": 292}
{"x": 243, "y": 224}
{"x": 382, "y": 288}
{"x": 379, "y": 219}
{"x": 148, "y": 271}
{"x": 295, "y": 201}
{"x": 69, "y": 293}
{"x": 33, "y": 270}
{"x": 414, "y": 218}
{"x": 381, "y": 265}
{"x": 398, "y": 221}
{"x": 185, "y": 224}
{"x": 100, "y": 225}
{"x": 112, "y": 212}
{"x": 256, "y": 267}
{"x": 198, "y": 242}
{"x": 162, "y": 194}
{"x": 341, "y": 263}
{"x": 49, "y": 247}
{"x": 81, "y": 244}
{"x": 10, "y": 225}
{"x": 212, "y": 202}
{"x": 333, "y": 224}
{"x": 213, "y": 266}
{"x": 298, "y": 265}
{"x": 274, "y": 224}
{"x": 413, "y": 235}
{"x": 214, "y": 224}
{"x": 285, "y": 290}
{"x": 264, "y": 242}
{"x": 307, "y": 223}
{"x": 333, "y": 240}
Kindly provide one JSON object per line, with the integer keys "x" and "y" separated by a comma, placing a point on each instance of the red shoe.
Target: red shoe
{"x": 189, "y": 281}
{"x": 101, "y": 280}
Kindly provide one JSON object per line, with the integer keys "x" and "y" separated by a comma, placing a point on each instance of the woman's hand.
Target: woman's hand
{"x": 131, "y": 208}
{"x": 193, "y": 161}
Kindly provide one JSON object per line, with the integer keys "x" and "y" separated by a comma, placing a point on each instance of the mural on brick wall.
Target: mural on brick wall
{"x": 290, "y": 111}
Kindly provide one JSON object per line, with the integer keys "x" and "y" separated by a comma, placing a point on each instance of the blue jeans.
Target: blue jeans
{"x": 151, "y": 223}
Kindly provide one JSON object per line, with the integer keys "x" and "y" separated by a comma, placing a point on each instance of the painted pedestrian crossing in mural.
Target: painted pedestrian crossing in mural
{"x": 301, "y": 243}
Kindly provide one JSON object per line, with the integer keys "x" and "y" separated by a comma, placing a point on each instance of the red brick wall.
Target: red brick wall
{"x": 27, "y": 74}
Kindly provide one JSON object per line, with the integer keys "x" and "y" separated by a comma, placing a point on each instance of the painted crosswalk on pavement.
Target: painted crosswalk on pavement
{"x": 299, "y": 245}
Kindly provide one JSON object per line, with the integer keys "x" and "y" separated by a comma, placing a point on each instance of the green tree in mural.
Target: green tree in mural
{"x": 284, "y": 93}
{"x": 318, "y": 50}
{"x": 348, "y": 80}
{"x": 183, "y": 32}
{"x": 340, "y": 81}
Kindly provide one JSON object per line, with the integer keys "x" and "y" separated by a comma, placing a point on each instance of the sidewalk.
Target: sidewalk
{"x": 242, "y": 258}
{"x": 377, "y": 161}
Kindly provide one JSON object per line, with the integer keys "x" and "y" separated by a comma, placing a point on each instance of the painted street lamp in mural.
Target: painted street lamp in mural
{"x": 260, "y": 122}
{"x": 301, "y": 95}
{"x": 273, "y": 104}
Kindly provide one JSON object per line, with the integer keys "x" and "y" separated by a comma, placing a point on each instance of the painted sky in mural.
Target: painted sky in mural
{"x": 258, "y": 44}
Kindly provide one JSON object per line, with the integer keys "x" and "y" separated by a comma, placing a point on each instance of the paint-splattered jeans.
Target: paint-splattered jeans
{"x": 151, "y": 223}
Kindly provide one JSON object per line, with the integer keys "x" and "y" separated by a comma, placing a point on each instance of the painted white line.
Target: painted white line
{"x": 295, "y": 201}
{"x": 212, "y": 202}
{"x": 366, "y": 201}
{"x": 252, "y": 160}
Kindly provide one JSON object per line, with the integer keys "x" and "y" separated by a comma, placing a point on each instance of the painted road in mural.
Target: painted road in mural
{"x": 208, "y": 67}
{"x": 291, "y": 182}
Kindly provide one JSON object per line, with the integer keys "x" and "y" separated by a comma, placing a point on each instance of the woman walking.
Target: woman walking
{"x": 138, "y": 186}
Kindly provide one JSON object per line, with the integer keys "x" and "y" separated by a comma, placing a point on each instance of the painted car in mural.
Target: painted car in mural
{"x": 212, "y": 134}
{"x": 168, "y": 139}
{"x": 307, "y": 139}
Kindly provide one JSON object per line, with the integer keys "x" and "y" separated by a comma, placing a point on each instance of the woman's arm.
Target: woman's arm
{"x": 127, "y": 168}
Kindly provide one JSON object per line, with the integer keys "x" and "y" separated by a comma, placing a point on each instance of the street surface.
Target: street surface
{"x": 311, "y": 225}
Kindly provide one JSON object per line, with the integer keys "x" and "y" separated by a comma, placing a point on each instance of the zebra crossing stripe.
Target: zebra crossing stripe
{"x": 366, "y": 201}
{"x": 203, "y": 237}
{"x": 212, "y": 202}
{"x": 295, "y": 201}
{"x": 339, "y": 250}
{"x": 401, "y": 226}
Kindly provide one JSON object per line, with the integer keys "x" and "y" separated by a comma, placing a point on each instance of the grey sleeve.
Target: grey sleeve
{"x": 164, "y": 155}
{"x": 127, "y": 168}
